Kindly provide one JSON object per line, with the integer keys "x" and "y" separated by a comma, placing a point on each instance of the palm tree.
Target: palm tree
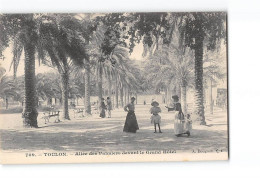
{"x": 44, "y": 88}
{"x": 181, "y": 58}
{"x": 116, "y": 91}
{"x": 171, "y": 68}
{"x": 64, "y": 41}
{"x": 59, "y": 36}
{"x": 114, "y": 67}
{"x": 94, "y": 49}
{"x": 83, "y": 74}
{"x": 22, "y": 31}
{"x": 195, "y": 28}
{"x": 87, "y": 103}
{"x": 7, "y": 87}
{"x": 112, "y": 35}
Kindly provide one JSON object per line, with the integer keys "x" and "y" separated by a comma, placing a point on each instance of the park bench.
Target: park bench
{"x": 78, "y": 111}
{"x": 49, "y": 114}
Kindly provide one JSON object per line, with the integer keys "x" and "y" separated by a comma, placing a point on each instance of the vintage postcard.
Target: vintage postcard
{"x": 113, "y": 87}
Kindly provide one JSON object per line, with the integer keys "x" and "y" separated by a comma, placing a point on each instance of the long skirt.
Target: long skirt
{"x": 131, "y": 124}
{"x": 181, "y": 125}
{"x": 102, "y": 113}
{"x": 178, "y": 124}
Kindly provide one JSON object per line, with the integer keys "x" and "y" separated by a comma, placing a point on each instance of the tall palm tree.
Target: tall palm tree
{"x": 116, "y": 91}
{"x": 94, "y": 49}
{"x": 22, "y": 31}
{"x": 195, "y": 29}
{"x": 172, "y": 68}
{"x": 64, "y": 42}
{"x": 87, "y": 103}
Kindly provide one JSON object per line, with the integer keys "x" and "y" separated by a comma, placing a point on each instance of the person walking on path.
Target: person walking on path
{"x": 103, "y": 108}
{"x": 131, "y": 124}
{"x": 156, "y": 118}
{"x": 109, "y": 107}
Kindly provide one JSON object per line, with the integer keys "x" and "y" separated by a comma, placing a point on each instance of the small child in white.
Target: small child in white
{"x": 156, "y": 118}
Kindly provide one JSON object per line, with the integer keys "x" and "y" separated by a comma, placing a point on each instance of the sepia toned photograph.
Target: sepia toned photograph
{"x": 113, "y": 87}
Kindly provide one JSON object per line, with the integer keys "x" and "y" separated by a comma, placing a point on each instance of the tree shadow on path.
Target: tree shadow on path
{"x": 95, "y": 136}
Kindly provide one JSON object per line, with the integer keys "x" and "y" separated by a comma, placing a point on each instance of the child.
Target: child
{"x": 156, "y": 118}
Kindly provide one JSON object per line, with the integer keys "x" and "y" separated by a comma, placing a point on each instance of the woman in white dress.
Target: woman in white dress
{"x": 179, "y": 122}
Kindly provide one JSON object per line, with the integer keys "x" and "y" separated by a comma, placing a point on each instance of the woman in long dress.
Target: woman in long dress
{"x": 131, "y": 124}
{"x": 179, "y": 122}
{"x": 103, "y": 108}
{"x": 109, "y": 107}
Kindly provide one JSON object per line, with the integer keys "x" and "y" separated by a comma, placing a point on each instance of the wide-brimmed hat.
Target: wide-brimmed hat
{"x": 155, "y": 103}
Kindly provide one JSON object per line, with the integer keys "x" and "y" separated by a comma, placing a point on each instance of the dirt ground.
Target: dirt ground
{"x": 96, "y": 134}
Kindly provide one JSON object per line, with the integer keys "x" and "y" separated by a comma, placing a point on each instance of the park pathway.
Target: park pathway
{"x": 96, "y": 134}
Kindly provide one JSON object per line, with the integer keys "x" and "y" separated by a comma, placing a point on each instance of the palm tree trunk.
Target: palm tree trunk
{"x": 125, "y": 96}
{"x": 199, "y": 106}
{"x": 100, "y": 80}
{"x": 49, "y": 102}
{"x": 122, "y": 96}
{"x": 109, "y": 86}
{"x": 113, "y": 99}
{"x": 116, "y": 91}
{"x": 184, "y": 99}
{"x": 210, "y": 98}
{"x": 65, "y": 94}
{"x": 37, "y": 101}
{"x": 30, "y": 113}
{"x": 87, "y": 89}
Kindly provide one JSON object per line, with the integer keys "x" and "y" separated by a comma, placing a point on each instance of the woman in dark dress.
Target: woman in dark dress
{"x": 131, "y": 124}
{"x": 109, "y": 107}
{"x": 103, "y": 108}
